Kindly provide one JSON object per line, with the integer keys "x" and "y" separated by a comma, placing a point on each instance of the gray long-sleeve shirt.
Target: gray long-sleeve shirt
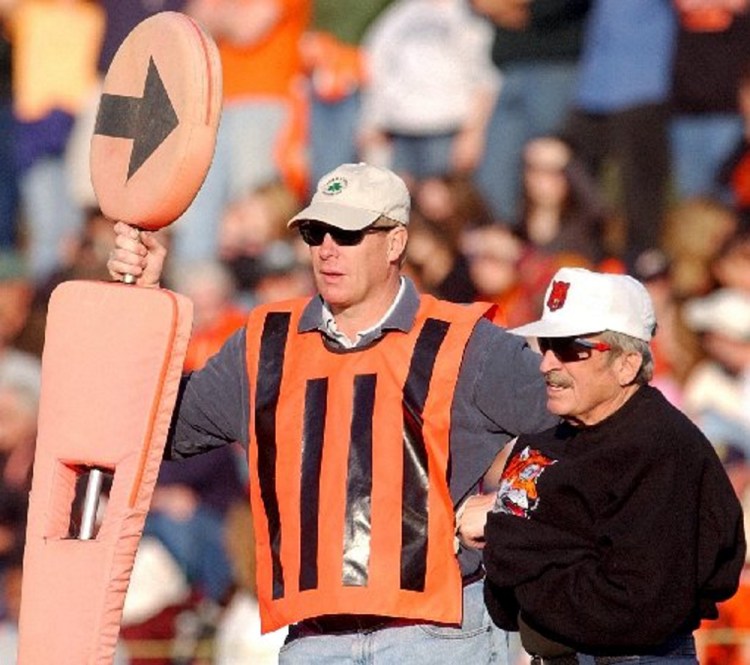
{"x": 499, "y": 394}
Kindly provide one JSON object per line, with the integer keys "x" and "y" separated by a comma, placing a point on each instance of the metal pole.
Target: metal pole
{"x": 90, "y": 504}
{"x": 94, "y": 486}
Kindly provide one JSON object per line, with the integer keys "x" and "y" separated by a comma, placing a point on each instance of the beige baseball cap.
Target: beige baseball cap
{"x": 583, "y": 302}
{"x": 353, "y": 196}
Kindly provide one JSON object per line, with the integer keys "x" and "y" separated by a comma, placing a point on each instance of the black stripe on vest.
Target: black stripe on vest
{"x": 358, "y": 521}
{"x": 416, "y": 480}
{"x": 316, "y": 402}
{"x": 270, "y": 366}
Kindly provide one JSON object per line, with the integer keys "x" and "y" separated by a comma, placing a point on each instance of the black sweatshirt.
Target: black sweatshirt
{"x": 554, "y": 34}
{"x": 617, "y": 536}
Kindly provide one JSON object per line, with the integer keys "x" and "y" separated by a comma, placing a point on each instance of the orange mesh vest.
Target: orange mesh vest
{"x": 348, "y": 458}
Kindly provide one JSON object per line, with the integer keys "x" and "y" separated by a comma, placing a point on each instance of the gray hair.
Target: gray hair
{"x": 622, "y": 343}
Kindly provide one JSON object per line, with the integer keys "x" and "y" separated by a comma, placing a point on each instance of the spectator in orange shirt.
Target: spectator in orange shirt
{"x": 216, "y": 315}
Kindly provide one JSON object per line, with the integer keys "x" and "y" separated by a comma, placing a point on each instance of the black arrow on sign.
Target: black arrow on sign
{"x": 148, "y": 120}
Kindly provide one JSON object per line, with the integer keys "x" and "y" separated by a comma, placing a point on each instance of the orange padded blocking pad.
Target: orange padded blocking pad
{"x": 111, "y": 367}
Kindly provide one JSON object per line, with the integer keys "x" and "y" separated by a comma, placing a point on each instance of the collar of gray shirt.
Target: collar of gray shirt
{"x": 400, "y": 316}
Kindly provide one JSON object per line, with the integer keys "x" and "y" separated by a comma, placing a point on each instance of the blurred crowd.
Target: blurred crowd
{"x": 532, "y": 133}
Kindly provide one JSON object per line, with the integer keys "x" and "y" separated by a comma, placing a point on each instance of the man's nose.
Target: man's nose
{"x": 549, "y": 361}
{"x": 328, "y": 246}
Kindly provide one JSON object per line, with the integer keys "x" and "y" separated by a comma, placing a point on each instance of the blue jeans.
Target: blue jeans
{"x": 701, "y": 144}
{"x": 51, "y": 214}
{"x": 677, "y": 651}
{"x": 422, "y": 157}
{"x": 333, "y": 130}
{"x": 243, "y": 161}
{"x": 478, "y": 642}
{"x": 535, "y": 99}
{"x": 197, "y": 545}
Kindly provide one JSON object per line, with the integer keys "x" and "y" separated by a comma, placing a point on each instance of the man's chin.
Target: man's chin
{"x": 555, "y": 404}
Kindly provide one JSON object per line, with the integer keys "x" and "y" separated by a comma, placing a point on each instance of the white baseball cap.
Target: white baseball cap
{"x": 725, "y": 311}
{"x": 582, "y": 302}
{"x": 353, "y": 196}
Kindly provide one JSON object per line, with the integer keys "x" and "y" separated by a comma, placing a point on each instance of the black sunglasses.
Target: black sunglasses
{"x": 571, "y": 349}
{"x": 313, "y": 233}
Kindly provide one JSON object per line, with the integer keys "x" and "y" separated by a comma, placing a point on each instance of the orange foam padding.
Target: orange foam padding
{"x": 111, "y": 367}
{"x": 156, "y": 125}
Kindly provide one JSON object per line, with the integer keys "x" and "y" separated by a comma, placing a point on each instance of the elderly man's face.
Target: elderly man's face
{"x": 586, "y": 380}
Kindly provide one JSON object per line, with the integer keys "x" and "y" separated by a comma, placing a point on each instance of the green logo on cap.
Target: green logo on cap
{"x": 334, "y": 186}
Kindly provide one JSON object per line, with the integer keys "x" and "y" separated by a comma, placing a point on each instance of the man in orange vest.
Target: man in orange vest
{"x": 369, "y": 413}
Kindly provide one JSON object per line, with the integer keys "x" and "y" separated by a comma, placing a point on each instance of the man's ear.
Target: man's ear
{"x": 397, "y": 243}
{"x": 628, "y": 366}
